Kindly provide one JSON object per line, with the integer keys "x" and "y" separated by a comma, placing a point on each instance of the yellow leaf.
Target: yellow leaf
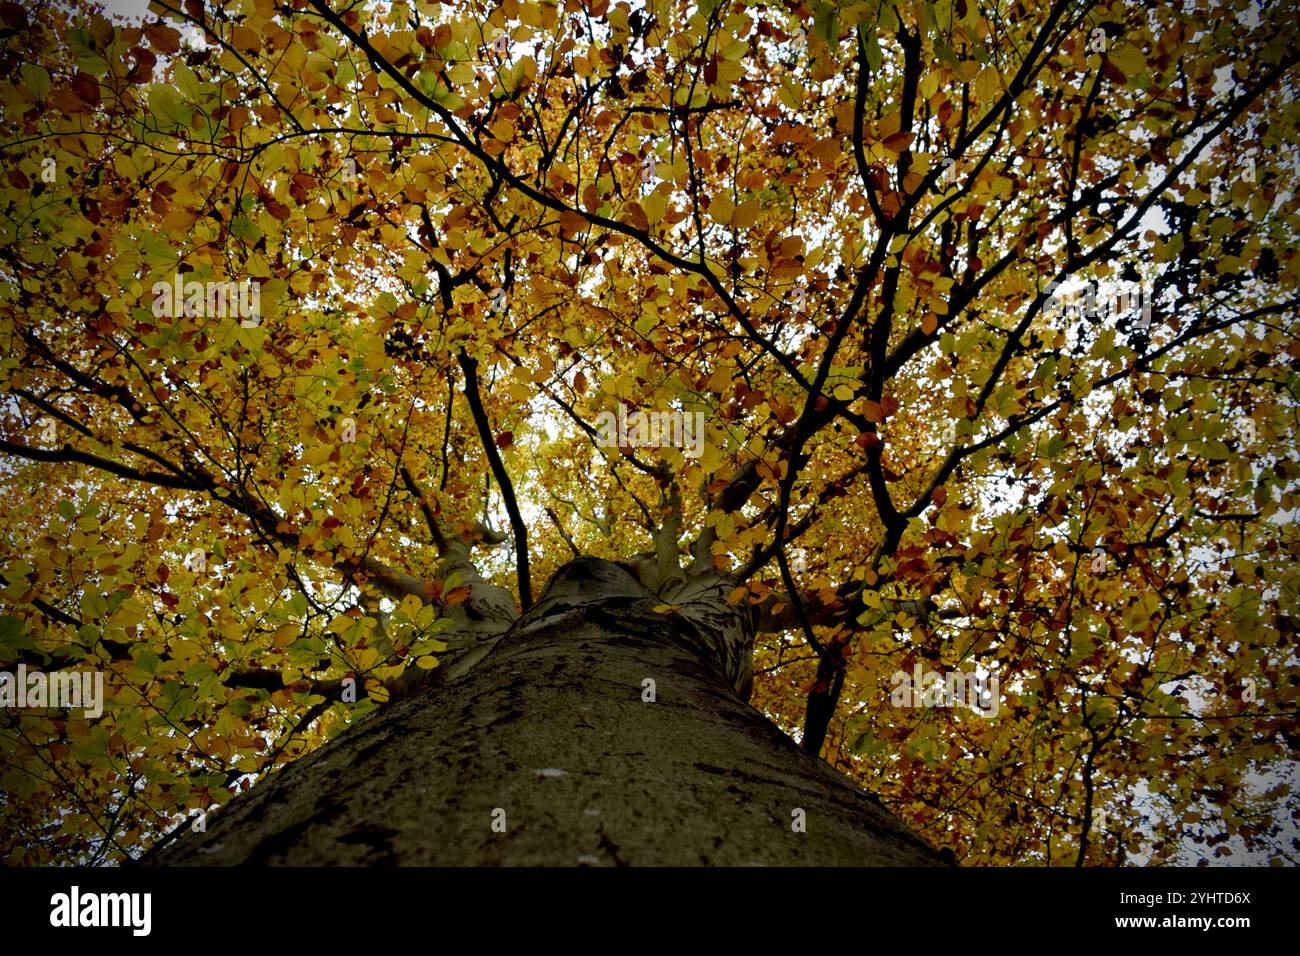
{"x": 316, "y": 455}
{"x": 1128, "y": 58}
{"x": 746, "y": 214}
{"x": 654, "y": 205}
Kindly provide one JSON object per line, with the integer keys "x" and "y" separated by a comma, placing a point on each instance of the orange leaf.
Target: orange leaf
{"x": 457, "y": 595}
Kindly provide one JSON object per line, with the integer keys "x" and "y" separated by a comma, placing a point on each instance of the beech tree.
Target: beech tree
{"x": 633, "y": 432}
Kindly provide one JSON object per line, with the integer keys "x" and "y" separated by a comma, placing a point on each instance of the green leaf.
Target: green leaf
{"x": 166, "y": 106}
{"x": 83, "y": 48}
{"x": 871, "y": 50}
{"x": 197, "y": 672}
{"x": 945, "y": 52}
{"x": 242, "y": 228}
{"x": 147, "y": 660}
{"x": 93, "y": 606}
{"x": 186, "y": 81}
{"x": 35, "y": 81}
{"x": 826, "y": 22}
{"x": 12, "y": 634}
{"x": 1216, "y": 451}
{"x": 157, "y": 251}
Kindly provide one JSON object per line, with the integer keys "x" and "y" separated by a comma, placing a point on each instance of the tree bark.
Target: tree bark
{"x": 546, "y": 752}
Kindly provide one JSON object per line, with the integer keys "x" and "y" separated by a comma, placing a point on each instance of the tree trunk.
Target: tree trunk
{"x": 547, "y": 752}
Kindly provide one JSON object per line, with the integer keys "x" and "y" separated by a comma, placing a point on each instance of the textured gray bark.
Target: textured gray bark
{"x": 549, "y": 730}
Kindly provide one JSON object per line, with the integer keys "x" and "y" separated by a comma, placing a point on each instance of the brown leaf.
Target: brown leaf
{"x": 899, "y": 141}
{"x": 86, "y": 87}
{"x": 299, "y": 187}
{"x": 67, "y": 101}
{"x": 635, "y": 216}
{"x": 572, "y": 222}
{"x": 142, "y": 68}
{"x": 245, "y": 38}
{"x": 13, "y": 16}
{"x": 164, "y": 38}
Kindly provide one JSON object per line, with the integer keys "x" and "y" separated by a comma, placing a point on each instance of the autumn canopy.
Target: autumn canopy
{"x": 959, "y": 334}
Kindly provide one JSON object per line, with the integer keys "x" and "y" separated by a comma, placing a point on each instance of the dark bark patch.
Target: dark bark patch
{"x": 278, "y": 844}
{"x": 379, "y": 839}
{"x": 610, "y": 847}
{"x": 507, "y": 718}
